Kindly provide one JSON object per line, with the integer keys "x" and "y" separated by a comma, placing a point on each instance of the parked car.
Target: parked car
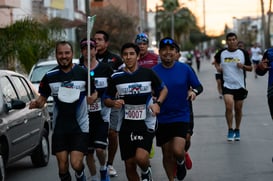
{"x": 23, "y": 131}
{"x": 38, "y": 71}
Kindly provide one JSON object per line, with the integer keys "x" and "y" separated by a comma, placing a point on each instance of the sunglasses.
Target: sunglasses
{"x": 141, "y": 36}
{"x": 168, "y": 41}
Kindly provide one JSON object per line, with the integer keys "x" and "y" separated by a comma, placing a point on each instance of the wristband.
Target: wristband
{"x": 195, "y": 91}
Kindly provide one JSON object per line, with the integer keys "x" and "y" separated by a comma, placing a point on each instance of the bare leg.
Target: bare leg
{"x": 91, "y": 164}
{"x": 238, "y": 113}
{"x": 131, "y": 170}
{"x": 113, "y": 146}
{"x": 229, "y": 109}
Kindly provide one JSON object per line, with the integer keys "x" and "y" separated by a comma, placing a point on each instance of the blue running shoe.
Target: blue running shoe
{"x": 230, "y": 136}
{"x": 104, "y": 176}
{"x": 237, "y": 134}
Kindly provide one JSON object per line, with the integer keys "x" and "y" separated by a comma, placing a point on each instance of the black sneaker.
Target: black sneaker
{"x": 147, "y": 176}
{"x": 181, "y": 171}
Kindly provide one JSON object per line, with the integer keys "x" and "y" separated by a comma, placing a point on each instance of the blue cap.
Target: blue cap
{"x": 167, "y": 41}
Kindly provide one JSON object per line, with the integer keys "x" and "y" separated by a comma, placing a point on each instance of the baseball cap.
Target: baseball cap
{"x": 84, "y": 43}
{"x": 142, "y": 38}
{"x": 167, "y": 41}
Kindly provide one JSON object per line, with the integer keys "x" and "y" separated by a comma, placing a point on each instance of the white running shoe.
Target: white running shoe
{"x": 112, "y": 171}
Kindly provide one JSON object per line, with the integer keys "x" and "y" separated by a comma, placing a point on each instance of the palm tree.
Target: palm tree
{"x": 184, "y": 21}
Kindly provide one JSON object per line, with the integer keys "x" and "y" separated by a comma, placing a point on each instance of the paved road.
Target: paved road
{"x": 214, "y": 159}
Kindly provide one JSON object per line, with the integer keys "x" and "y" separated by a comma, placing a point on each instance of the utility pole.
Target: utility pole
{"x": 204, "y": 16}
{"x": 263, "y": 26}
{"x": 268, "y": 42}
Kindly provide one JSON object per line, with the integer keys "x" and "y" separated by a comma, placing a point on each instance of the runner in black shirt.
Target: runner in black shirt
{"x": 134, "y": 86}
{"x": 104, "y": 55}
{"x": 67, "y": 83}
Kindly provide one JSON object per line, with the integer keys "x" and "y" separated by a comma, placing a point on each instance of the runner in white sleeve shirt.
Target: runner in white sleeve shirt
{"x": 233, "y": 63}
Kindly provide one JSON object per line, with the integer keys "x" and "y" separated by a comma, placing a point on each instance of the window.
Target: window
{"x": 23, "y": 93}
{"x": 81, "y": 6}
{"x": 28, "y": 88}
{"x": 7, "y": 89}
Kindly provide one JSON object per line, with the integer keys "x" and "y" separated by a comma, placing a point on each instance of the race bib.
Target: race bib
{"x": 135, "y": 112}
{"x": 68, "y": 95}
{"x": 96, "y": 106}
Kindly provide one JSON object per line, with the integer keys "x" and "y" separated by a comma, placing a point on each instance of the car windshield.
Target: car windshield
{"x": 39, "y": 72}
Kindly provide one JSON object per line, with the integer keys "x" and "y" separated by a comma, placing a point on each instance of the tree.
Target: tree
{"x": 26, "y": 41}
{"x": 185, "y": 22}
{"x": 120, "y": 26}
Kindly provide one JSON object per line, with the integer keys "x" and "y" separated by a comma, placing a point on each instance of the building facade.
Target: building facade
{"x": 72, "y": 13}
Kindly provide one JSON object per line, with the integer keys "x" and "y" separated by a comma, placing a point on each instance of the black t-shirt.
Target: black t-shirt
{"x": 112, "y": 59}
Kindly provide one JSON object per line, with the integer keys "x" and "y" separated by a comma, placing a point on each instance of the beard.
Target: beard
{"x": 65, "y": 64}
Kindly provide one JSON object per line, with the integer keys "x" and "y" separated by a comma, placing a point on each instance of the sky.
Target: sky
{"x": 219, "y": 12}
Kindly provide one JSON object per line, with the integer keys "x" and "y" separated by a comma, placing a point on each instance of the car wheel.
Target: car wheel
{"x": 3, "y": 158}
{"x": 2, "y": 169}
{"x": 40, "y": 156}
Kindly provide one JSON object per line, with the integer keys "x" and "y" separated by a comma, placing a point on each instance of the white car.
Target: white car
{"x": 37, "y": 73}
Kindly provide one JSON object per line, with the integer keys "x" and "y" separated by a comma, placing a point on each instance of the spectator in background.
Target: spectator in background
{"x": 147, "y": 59}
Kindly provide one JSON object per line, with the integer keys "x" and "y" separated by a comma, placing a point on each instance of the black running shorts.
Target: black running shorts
{"x": 134, "y": 134}
{"x": 69, "y": 142}
{"x": 165, "y": 132}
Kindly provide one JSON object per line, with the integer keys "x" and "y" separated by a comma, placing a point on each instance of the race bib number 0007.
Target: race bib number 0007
{"x": 135, "y": 112}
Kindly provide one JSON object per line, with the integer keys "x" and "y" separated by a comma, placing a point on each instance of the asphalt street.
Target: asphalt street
{"x": 214, "y": 159}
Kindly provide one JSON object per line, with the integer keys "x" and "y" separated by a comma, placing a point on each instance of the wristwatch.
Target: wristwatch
{"x": 158, "y": 103}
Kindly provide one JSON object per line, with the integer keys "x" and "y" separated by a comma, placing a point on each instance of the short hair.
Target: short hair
{"x": 230, "y": 35}
{"x": 130, "y": 45}
{"x": 63, "y": 43}
{"x": 105, "y": 35}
